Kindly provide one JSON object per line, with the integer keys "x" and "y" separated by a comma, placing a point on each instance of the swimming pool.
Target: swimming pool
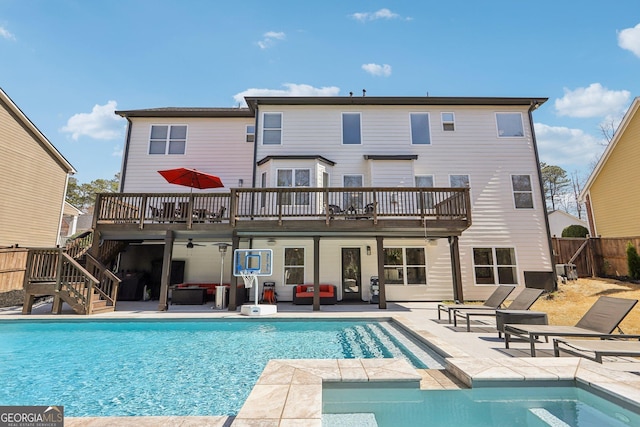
{"x": 495, "y": 407}
{"x": 183, "y": 367}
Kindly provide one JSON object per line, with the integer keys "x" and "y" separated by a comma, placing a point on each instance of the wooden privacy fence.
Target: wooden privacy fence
{"x": 13, "y": 262}
{"x": 595, "y": 256}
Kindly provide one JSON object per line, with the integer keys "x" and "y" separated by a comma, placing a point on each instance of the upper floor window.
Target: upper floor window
{"x": 251, "y": 133}
{"x": 294, "y": 178}
{"x": 522, "y": 193}
{"x": 448, "y": 121}
{"x": 459, "y": 181}
{"x": 509, "y": 125}
{"x": 426, "y": 181}
{"x": 420, "y": 128}
{"x": 351, "y": 132}
{"x": 272, "y": 128}
{"x": 168, "y": 139}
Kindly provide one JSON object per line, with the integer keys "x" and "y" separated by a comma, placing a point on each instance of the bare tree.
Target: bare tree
{"x": 608, "y": 129}
{"x": 555, "y": 183}
{"x": 577, "y": 185}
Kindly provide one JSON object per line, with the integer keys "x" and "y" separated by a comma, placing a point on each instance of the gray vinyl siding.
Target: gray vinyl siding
{"x": 214, "y": 145}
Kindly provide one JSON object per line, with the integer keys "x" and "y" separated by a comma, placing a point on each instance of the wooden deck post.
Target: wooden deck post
{"x": 456, "y": 273}
{"x": 316, "y": 273}
{"x": 166, "y": 271}
{"x": 233, "y": 303}
{"x": 382, "y": 300}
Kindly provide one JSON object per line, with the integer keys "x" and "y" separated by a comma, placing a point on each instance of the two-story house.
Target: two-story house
{"x": 35, "y": 181}
{"x": 611, "y": 198}
{"x": 438, "y": 198}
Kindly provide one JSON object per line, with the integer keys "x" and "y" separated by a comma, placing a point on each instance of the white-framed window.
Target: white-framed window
{"x": 420, "y": 133}
{"x": 448, "y": 121}
{"x": 250, "y": 133}
{"x": 459, "y": 181}
{"x": 293, "y": 266}
{"x": 351, "y": 129}
{"x": 509, "y": 125}
{"x": 522, "y": 191}
{"x": 426, "y": 181}
{"x": 168, "y": 139}
{"x": 272, "y": 128}
{"x": 405, "y": 266}
{"x": 495, "y": 266}
{"x": 294, "y": 178}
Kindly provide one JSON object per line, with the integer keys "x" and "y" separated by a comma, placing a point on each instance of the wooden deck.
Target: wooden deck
{"x": 323, "y": 211}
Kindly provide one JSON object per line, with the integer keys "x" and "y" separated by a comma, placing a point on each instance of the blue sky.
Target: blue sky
{"x": 69, "y": 64}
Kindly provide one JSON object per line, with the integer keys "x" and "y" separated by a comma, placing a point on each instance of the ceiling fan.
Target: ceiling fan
{"x": 190, "y": 244}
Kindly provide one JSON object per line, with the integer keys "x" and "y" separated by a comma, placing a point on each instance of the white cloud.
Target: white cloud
{"x": 117, "y": 151}
{"x": 5, "y": 34}
{"x": 100, "y": 123}
{"x": 292, "y": 89}
{"x": 373, "y": 16}
{"x": 269, "y": 39}
{"x": 377, "y": 70}
{"x": 571, "y": 149}
{"x": 593, "y": 101}
{"x": 629, "y": 39}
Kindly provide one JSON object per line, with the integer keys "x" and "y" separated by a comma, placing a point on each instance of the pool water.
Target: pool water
{"x": 492, "y": 407}
{"x": 138, "y": 368}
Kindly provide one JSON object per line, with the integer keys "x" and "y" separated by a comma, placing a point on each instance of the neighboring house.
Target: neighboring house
{"x": 69, "y": 225}
{"x": 35, "y": 181}
{"x": 611, "y": 194}
{"x": 439, "y": 197}
{"x": 559, "y": 220}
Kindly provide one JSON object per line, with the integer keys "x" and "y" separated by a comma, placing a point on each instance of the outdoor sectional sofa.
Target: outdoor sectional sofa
{"x": 211, "y": 290}
{"x": 303, "y": 294}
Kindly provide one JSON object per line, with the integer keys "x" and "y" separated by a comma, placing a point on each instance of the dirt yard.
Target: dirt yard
{"x": 574, "y": 298}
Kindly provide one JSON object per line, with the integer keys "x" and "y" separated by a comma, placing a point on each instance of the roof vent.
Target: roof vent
{"x": 364, "y": 92}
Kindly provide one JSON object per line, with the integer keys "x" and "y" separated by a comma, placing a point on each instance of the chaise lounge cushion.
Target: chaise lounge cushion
{"x": 303, "y": 294}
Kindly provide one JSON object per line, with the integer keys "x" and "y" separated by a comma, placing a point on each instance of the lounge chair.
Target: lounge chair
{"x": 523, "y": 301}
{"x": 494, "y": 301}
{"x": 602, "y": 319}
{"x": 617, "y": 345}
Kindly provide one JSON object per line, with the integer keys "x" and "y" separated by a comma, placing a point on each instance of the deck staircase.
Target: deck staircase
{"x": 73, "y": 276}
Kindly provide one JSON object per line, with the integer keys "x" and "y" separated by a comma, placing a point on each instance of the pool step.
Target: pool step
{"x": 349, "y": 420}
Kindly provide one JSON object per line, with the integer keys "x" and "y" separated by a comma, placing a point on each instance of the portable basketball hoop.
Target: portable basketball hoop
{"x": 249, "y": 264}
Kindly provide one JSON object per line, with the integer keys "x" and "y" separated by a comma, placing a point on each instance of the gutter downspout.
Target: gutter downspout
{"x": 125, "y": 155}
{"x": 64, "y": 199}
{"x": 255, "y": 146}
{"x": 535, "y": 105}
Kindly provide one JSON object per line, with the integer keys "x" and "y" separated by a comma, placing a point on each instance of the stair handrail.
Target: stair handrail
{"x": 108, "y": 282}
{"x": 76, "y": 281}
{"x": 80, "y": 245}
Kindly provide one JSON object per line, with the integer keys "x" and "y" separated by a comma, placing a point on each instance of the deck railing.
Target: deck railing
{"x": 284, "y": 203}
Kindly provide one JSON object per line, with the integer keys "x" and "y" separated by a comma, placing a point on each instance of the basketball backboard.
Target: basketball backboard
{"x": 252, "y": 261}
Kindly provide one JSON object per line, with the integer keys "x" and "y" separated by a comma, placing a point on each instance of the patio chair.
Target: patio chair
{"x": 611, "y": 345}
{"x": 156, "y": 214}
{"x": 494, "y": 301}
{"x": 601, "y": 320}
{"x": 523, "y": 301}
{"x": 217, "y": 217}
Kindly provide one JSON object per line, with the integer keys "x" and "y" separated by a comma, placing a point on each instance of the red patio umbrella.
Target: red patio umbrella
{"x": 191, "y": 178}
